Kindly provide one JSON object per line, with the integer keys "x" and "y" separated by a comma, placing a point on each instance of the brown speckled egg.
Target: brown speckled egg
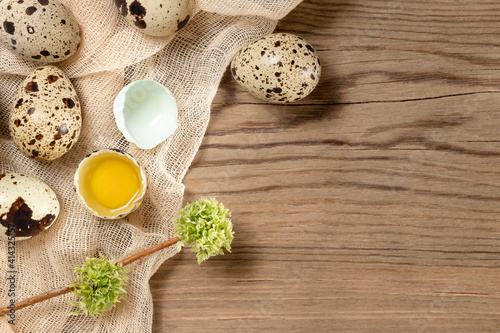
{"x": 156, "y": 17}
{"x": 28, "y": 206}
{"x": 45, "y": 119}
{"x": 280, "y": 68}
{"x": 39, "y": 30}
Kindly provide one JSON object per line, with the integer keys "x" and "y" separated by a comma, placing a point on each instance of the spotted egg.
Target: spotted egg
{"x": 45, "y": 118}
{"x": 280, "y": 68}
{"x": 156, "y": 17}
{"x": 39, "y": 30}
{"x": 28, "y": 206}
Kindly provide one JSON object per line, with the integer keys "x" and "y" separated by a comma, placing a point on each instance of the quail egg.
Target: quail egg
{"x": 28, "y": 206}
{"x": 279, "y": 68}
{"x": 39, "y": 30}
{"x": 156, "y": 17}
{"x": 45, "y": 118}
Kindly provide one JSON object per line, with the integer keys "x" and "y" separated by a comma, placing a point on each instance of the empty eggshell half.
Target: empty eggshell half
{"x": 146, "y": 113}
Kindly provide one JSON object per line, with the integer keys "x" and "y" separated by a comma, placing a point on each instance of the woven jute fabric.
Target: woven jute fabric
{"x": 191, "y": 65}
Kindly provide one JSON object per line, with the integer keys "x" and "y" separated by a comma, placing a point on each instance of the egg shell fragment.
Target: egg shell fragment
{"x": 28, "y": 206}
{"x": 156, "y": 17}
{"x": 39, "y": 30}
{"x": 146, "y": 113}
{"x": 279, "y": 68}
{"x": 45, "y": 118}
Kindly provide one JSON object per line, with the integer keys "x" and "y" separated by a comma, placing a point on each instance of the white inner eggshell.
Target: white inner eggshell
{"x": 27, "y": 205}
{"x": 146, "y": 113}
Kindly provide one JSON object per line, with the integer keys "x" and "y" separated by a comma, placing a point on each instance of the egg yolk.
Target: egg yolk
{"x": 113, "y": 183}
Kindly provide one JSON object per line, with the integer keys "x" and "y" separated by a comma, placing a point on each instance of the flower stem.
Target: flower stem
{"x": 65, "y": 290}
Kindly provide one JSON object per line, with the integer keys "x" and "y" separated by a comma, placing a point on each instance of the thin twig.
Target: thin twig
{"x": 65, "y": 290}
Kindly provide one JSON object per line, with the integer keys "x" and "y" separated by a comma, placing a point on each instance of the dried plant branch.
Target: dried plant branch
{"x": 64, "y": 290}
{"x": 204, "y": 225}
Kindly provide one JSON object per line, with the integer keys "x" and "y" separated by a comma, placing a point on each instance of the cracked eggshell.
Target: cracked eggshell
{"x": 156, "y": 17}
{"x": 87, "y": 198}
{"x": 45, "y": 118}
{"x": 146, "y": 113}
{"x": 28, "y": 206}
{"x": 39, "y": 30}
{"x": 280, "y": 68}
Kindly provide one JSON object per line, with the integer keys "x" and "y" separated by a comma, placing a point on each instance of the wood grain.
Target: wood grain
{"x": 370, "y": 206}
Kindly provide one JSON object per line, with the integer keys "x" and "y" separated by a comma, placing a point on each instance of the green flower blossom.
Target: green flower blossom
{"x": 100, "y": 286}
{"x": 205, "y": 225}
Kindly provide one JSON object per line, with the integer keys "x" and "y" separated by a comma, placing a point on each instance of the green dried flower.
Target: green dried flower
{"x": 99, "y": 287}
{"x": 205, "y": 225}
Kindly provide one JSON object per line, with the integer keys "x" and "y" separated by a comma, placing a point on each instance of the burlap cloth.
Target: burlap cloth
{"x": 113, "y": 54}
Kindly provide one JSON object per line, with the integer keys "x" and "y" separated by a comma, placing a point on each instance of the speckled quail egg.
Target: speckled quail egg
{"x": 280, "y": 68}
{"x": 39, "y": 30}
{"x": 45, "y": 119}
{"x": 156, "y": 17}
{"x": 28, "y": 206}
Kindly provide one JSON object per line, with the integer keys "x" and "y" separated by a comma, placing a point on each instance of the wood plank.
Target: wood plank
{"x": 370, "y": 206}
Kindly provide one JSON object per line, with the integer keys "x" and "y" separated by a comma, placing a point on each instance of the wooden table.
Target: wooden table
{"x": 370, "y": 206}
